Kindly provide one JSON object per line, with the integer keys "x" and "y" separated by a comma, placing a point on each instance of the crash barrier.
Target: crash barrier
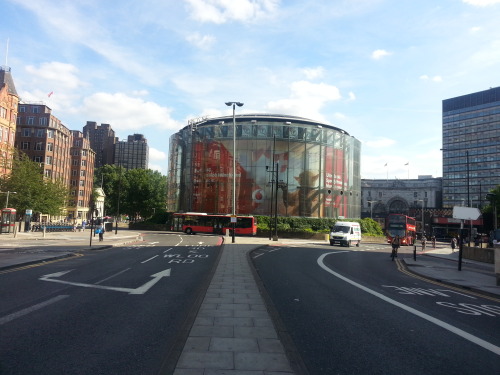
{"x": 485, "y": 255}
{"x": 52, "y": 228}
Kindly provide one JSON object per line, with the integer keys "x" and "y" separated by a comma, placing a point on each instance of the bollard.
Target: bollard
{"x": 44, "y": 231}
{"x": 414, "y": 252}
{"x": 497, "y": 262}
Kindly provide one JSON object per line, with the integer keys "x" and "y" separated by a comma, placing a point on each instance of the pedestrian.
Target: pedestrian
{"x": 424, "y": 240}
{"x": 433, "y": 241}
{"x": 453, "y": 244}
{"x": 84, "y": 224}
{"x": 100, "y": 231}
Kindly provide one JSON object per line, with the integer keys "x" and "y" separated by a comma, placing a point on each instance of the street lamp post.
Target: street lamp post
{"x": 233, "y": 215}
{"x": 423, "y": 217}
{"x": 7, "y": 199}
{"x": 371, "y": 208}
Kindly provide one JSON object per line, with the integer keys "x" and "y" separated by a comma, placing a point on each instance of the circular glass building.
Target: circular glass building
{"x": 285, "y": 164}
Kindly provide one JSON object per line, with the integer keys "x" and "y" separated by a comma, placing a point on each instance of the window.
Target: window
{"x": 37, "y": 159}
{"x": 48, "y": 173}
{"x": 3, "y": 112}
{"x": 82, "y": 182}
{"x": 82, "y": 173}
{"x": 35, "y": 109}
{"x": 31, "y": 120}
{"x": 39, "y": 146}
{"x": 22, "y": 108}
{"x": 25, "y": 145}
{"x": 75, "y": 162}
{"x": 73, "y": 182}
{"x": 74, "y": 173}
{"x": 80, "y": 203}
{"x": 43, "y": 121}
{"x": 84, "y": 152}
{"x": 50, "y": 146}
{"x": 50, "y": 133}
{"x": 80, "y": 193}
{"x": 26, "y": 132}
{"x": 415, "y": 194}
{"x": 48, "y": 160}
{"x": 84, "y": 163}
{"x": 40, "y": 133}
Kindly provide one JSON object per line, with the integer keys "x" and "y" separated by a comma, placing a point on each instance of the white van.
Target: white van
{"x": 345, "y": 233}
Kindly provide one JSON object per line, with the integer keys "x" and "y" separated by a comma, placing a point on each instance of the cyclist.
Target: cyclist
{"x": 395, "y": 246}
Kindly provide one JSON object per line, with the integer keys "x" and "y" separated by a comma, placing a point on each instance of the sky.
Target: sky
{"x": 378, "y": 69}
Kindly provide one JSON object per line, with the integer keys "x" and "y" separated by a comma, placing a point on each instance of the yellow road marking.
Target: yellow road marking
{"x": 41, "y": 263}
{"x": 402, "y": 268}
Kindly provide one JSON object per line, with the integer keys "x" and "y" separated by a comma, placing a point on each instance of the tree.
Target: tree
{"x": 494, "y": 206}
{"x": 33, "y": 191}
{"x": 141, "y": 192}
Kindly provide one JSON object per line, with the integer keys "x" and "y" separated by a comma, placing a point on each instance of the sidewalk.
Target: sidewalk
{"x": 233, "y": 332}
{"x": 34, "y": 247}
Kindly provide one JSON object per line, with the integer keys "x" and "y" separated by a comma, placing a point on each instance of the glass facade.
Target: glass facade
{"x": 471, "y": 147}
{"x": 302, "y": 167}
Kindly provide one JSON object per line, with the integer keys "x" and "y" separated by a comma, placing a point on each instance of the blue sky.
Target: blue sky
{"x": 379, "y": 69}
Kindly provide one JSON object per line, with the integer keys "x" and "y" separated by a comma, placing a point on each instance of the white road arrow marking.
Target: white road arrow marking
{"x": 140, "y": 290}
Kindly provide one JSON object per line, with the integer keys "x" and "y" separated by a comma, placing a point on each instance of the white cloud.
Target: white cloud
{"x": 352, "y": 96}
{"x": 221, "y": 11}
{"x": 155, "y": 154}
{"x": 380, "y": 53}
{"x": 204, "y": 42}
{"x": 56, "y": 74}
{"x": 306, "y": 99}
{"x": 474, "y": 29}
{"x": 127, "y": 113}
{"x": 425, "y": 77}
{"x": 312, "y": 73}
{"x": 381, "y": 142}
{"x": 481, "y": 3}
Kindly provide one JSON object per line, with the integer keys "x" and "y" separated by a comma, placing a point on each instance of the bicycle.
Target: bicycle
{"x": 394, "y": 253}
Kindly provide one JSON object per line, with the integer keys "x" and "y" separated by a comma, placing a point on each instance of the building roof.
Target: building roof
{"x": 6, "y": 79}
{"x": 263, "y": 117}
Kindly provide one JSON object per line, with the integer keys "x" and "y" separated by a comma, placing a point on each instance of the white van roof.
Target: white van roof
{"x": 346, "y": 223}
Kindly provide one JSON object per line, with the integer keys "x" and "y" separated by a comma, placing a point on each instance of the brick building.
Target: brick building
{"x": 8, "y": 118}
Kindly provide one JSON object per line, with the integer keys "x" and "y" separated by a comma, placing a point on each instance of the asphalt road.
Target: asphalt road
{"x": 352, "y": 311}
{"x": 122, "y": 310}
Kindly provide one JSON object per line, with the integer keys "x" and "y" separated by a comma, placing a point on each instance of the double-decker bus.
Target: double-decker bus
{"x": 402, "y": 226}
{"x": 198, "y": 222}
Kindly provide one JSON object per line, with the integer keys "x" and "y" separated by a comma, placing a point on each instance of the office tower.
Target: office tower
{"x": 471, "y": 147}
{"x": 102, "y": 140}
{"x": 133, "y": 153}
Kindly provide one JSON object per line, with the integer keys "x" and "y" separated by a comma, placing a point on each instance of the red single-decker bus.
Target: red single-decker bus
{"x": 197, "y": 222}
{"x": 402, "y": 226}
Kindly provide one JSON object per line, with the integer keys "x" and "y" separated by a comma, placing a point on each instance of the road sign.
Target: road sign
{"x": 233, "y": 219}
{"x": 466, "y": 213}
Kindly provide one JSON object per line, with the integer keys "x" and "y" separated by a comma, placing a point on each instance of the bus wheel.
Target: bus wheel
{"x": 189, "y": 231}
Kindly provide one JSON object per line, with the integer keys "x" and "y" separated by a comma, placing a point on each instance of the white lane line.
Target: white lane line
{"x": 110, "y": 277}
{"x": 476, "y": 340}
{"x": 28, "y": 310}
{"x": 147, "y": 260}
{"x": 167, "y": 250}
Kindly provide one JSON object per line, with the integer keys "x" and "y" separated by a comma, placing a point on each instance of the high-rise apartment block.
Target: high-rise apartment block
{"x": 82, "y": 177}
{"x": 133, "y": 153}
{"x": 471, "y": 147}
{"x": 102, "y": 140}
{"x": 8, "y": 119}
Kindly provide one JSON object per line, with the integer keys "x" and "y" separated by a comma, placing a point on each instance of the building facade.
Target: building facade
{"x": 63, "y": 155}
{"x": 132, "y": 153}
{"x": 102, "y": 140}
{"x": 299, "y": 166}
{"x": 8, "y": 119}
{"x": 471, "y": 147}
{"x": 410, "y": 197}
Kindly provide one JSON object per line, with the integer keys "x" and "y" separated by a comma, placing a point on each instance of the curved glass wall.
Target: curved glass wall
{"x": 298, "y": 166}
